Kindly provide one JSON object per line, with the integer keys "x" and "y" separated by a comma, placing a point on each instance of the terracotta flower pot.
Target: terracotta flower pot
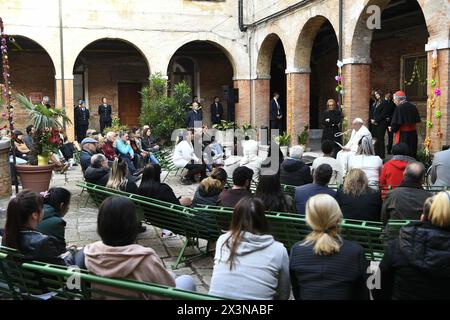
{"x": 35, "y": 178}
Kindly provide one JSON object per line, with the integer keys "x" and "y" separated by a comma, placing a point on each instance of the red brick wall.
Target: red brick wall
{"x": 386, "y": 54}
{"x": 105, "y": 71}
{"x": 31, "y": 72}
{"x": 242, "y": 113}
{"x": 215, "y": 72}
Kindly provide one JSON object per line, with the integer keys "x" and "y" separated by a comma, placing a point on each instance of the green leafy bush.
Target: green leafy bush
{"x": 116, "y": 126}
{"x": 163, "y": 113}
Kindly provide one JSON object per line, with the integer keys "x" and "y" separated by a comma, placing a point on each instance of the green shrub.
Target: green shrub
{"x": 163, "y": 113}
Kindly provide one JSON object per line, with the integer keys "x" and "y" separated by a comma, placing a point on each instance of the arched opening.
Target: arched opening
{"x": 278, "y": 79}
{"x": 32, "y": 73}
{"x": 324, "y": 54}
{"x": 397, "y": 51}
{"x": 114, "y": 69}
{"x": 207, "y": 69}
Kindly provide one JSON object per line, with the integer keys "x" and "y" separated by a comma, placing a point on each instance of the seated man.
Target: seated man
{"x": 89, "y": 148}
{"x": 349, "y": 150}
{"x": 242, "y": 179}
{"x": 293, "y": 170}
{"x": 322, "y": 176}
{"x": 327, "y": 149}
{"x": 440, "y": 170}
{"x": 98, "y": 172}
{"x": 251, "y": 159}
{"x": 406, "y": 201}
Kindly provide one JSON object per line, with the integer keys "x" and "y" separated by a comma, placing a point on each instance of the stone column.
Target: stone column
{"x": 5, "y": 173}
{"x": 243, "y": 107}
{"x": 298, "y": 96}
{"x": 443, "y": 77}
{"x": 356, "y": 81}
{"x": 262, "y": 99}
{"x": 68, "y": 87}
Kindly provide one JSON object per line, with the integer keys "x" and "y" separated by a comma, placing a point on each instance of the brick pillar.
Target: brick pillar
{"x": 298, "y": 95}
{"x": 5, "y": 176}
{"x": 262, "y": 100}
{"x": 68, "y": 87}
{"x": 443, "y": 77}
{"x": 243, "y": 108}
{"x": 356, "y": 81}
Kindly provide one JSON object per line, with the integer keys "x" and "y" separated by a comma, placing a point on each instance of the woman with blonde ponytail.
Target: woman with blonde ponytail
{"x": 324, "y": 266}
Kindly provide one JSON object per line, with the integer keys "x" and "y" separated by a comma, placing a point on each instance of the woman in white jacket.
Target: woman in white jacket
{"x": 366, "y": 160}
{"x": 184, "y": 157}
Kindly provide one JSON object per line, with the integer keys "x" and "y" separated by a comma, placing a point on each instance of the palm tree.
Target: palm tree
{"x": 43, "y": 119}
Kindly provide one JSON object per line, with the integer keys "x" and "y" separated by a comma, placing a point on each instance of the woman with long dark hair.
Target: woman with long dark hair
{"x": 23, "y": 215}
{"x": 249, "y": 264}
{"x": 270, "y": 192}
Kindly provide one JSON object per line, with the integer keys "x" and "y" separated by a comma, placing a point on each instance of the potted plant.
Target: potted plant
{"x": 303, "y": 137}
{"x": 284, "y": 141}
{"x": 46, "y": 140}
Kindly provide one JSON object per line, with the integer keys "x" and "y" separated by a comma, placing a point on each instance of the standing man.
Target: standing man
{"x": 404, "y": 121}
{"x": 104, "y": 111}
{"x": 81, "y": 115}
{"x": 193, "y": 116}
{"x": 275, "y": 112}
{"x": 216, "y": 111}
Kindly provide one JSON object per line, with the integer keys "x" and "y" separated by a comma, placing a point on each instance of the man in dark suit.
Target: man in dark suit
{"x": 104, "y": 111}
{"x": 216, "y": 111}
{"x": 275, "y": 112}
{"x": 193, "y": 116}
{"x": 81, "y": 116}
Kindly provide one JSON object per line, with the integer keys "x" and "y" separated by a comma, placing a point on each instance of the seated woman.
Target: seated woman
{"x": 366, "y": 160}
{"x": 23, "y": 215}
{"x": 209, "y": 189}
{"x": 21, "y": 148}
{"x": 56, "y": 205}
{"x": 324, "y": 266}
{"x": 184, "y": 157}
{"x": 249, "y": 264}
{"x": 152, "y": 187}
{"x": 118, "y": 178}
{"x": 118, "y": 256}
{"x": 415, "y": 265}
{"x": 357, "y": 200}
{"x": 270, "y": 192}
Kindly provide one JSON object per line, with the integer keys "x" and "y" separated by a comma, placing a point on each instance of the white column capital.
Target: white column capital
{"x": 357, "y": 60}
{"x": 437, "y": 45}
{"x": 298, "y": 70}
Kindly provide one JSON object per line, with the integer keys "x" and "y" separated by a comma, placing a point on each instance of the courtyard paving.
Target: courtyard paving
{"x": 82, "y": 223}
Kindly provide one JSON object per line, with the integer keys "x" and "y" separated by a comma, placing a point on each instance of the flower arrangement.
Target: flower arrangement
{"x": 283, "y": 140}
{"x": 48, "y": 123}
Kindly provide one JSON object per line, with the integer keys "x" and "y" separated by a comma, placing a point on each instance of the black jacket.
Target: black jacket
{"x": 382, "y": 112}
{"x": 105, "y": 113}
{"x": 165, "y": 193}
{"x": 416, "y": 266}
{"x": 340, "y": 276}
{"x": 216, "y": 110}
{"x": 295, "y": 173}
{"x": 201, "y": 197}
{"x": 81, "y": 117}
{"x": 404, "y": 203}
{"x": 85, "y": 159}
{"x": 365, "y": 207}
{"x": 274, "y": 112}
{"x": 99, "y": 176}
{"x": 193, "y": 116}
{"x": 36, "y": 246}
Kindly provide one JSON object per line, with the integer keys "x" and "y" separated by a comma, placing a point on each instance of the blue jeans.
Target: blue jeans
{"x": 152, "y": 159}
{"x": 131, "y": 167}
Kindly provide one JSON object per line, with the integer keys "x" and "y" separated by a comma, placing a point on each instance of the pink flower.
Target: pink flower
{"x": 437, "y": 92}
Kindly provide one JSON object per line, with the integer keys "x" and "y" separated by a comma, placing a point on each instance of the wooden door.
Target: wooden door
{"x": 129, "y": 103}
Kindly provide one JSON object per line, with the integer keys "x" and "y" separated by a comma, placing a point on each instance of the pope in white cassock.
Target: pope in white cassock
{"x": 349, "y": 150}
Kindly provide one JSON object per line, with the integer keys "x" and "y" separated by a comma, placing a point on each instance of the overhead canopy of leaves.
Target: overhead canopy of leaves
{"x": 163, "y": 113}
